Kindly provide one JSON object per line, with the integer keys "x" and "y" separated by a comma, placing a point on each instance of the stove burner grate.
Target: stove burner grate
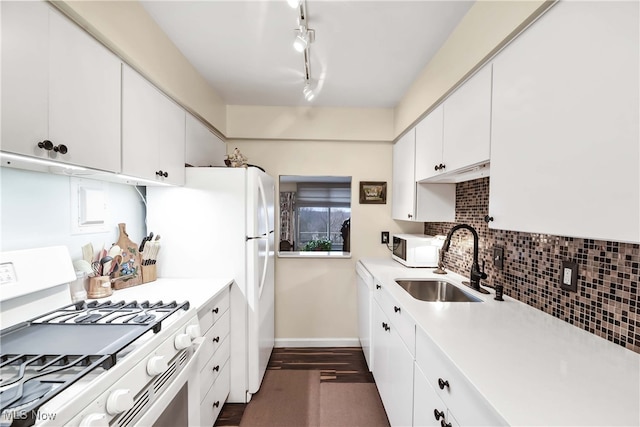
{"x": 45, "y": 355}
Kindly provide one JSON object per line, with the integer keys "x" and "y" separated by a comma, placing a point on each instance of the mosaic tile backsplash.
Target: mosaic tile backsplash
{"x": 607, "y": 300}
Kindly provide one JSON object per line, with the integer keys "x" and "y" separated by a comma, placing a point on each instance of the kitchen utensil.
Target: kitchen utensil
{"x": 82, "y": 265}
{"x": 131, "y": 262}
{"x": 96, "y": 267}
{"x": 113, "y": 252}
{"x": 87, "y": 253}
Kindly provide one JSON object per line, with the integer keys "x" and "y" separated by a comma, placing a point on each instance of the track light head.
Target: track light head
{"x": 301, "y": 41}
{"x": 308, "y": 92}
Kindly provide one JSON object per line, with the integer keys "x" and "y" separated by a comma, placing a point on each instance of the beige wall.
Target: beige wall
{"x": 296, "y": 123}
{"x": 316, "y": 298}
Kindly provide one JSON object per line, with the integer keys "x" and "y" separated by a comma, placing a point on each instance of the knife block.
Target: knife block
{"x": 149, "y": 273}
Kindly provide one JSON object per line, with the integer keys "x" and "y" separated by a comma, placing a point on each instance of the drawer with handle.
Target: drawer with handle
{"x": 211, "y": 370}
{"x": 213, "y": 339}
{"x": 455, "y": 390}
{"x": 403, "y": 323}
{"x": 211, "y": 406}
{"x": 213, "y": 310}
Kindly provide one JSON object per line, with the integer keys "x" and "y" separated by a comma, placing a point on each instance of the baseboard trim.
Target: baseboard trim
{"x": 317, "y": 342}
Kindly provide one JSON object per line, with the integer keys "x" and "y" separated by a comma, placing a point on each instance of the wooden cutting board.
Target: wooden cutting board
{"x": 130, "y": 271}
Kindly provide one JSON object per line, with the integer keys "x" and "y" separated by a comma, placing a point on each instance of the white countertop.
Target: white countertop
{"x": 196, "y": 291}
{"x": 533, "y": 368}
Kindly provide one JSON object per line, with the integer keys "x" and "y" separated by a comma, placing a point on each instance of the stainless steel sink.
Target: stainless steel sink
{"x": 435, "y": 290}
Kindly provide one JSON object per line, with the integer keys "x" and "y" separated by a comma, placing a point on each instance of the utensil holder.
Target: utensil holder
{"x": 99, "y": 287}
{"x": 149, "y": 273}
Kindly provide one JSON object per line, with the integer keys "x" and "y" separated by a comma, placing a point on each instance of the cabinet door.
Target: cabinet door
{"x": 25, "y": 64}
{"x": 84, "y": 97}
{"x": 467, "y": 123}
{"x": 429, "y": 144}
{"x": 426, "y": 402}
{"x": 393, "y": 370}
{"x": 565, "y": 128}
{"x": 404, "y": 184}
{"x": 153, "y": 131}
{"x": 203, "y": 148}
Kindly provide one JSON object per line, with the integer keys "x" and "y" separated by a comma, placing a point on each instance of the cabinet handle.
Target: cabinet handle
{"x": 216, "y": 403}
{"x": 378, "y": 287}
{"x": 160, "y": 173}
{"x": 438, "y": 414}
{"x": 396, "y": 309}
{"x": 443, "y": 423}
{"x": 488, "y": 219}
{"x": 409, "y": 216}
{"x": 442, "y": 383}
{"x": 215, "y": 310}
{"x": 442, "y": 166}
{"x": 385, "y": 326}
{"x": 216, "y": 339}
{"x": 216, "y": 368}
{"x": 62, "y": 149}
{"x": 437, "y": 168}
{"x": 46, "y": 145}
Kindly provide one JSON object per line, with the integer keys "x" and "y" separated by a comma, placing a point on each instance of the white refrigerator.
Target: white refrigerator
{"x": 221, "y": 223}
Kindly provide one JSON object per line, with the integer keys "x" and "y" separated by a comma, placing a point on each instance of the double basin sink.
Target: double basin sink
{"x": 435, "y": 290}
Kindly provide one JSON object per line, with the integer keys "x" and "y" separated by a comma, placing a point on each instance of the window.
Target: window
{"x": 315, "y": 213}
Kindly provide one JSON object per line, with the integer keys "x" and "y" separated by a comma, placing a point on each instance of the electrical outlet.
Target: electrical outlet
{"x": 569, "y": 276}
{"x": 498, "y": 257}
{"x": 384, "y": 238}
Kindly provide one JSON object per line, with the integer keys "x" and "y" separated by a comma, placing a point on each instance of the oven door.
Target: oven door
{"x": 179, "y": 404}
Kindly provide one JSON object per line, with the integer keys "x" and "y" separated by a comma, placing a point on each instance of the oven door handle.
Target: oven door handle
{"x": 189, "y": 376}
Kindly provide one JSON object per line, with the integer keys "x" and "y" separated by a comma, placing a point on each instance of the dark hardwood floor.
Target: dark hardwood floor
{"x": 336, "y": 364}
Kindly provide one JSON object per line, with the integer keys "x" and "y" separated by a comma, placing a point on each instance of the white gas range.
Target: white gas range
{"x": 115, "y": 363}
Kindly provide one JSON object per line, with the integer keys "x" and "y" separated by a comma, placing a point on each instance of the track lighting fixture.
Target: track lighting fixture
{"x": 304, "y": 37}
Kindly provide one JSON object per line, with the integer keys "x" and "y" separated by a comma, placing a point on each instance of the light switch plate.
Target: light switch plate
{"x": 569, "y": 276}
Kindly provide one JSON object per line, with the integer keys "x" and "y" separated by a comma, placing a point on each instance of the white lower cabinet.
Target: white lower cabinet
{"x": 428, "y": 408}
{"x": 214, "y": 362}
{"x": 393, "y": 370}
{"x": 452, "y": 388}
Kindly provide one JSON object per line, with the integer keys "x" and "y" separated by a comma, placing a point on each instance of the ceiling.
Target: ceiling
{"x": 366, "y": 53}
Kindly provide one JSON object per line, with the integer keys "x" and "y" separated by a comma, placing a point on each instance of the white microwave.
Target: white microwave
{"x": 416, "y": 250}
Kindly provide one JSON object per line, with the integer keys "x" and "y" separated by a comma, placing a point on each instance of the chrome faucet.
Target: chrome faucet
{"x": 476, "y": 274}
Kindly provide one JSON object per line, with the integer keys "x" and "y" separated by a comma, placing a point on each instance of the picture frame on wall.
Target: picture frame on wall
{"x": 373, "y": 192}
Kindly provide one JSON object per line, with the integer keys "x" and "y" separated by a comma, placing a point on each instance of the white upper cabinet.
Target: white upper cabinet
{"x": 455, "y": 138}
{"x": 203, "y": 147}
{"x": 58, "y": 85}
{"x": 412, "y": 201}
{"x": 467, "y": 124}
{"x": 84, "y": 97}
{"x": 153, "y": 132}
{"x": 565, "y": 150}
{"x": 25, "y": 64}
{"x": 429, "y": 134}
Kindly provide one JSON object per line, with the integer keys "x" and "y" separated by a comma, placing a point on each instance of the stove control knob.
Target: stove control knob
{"x": 182, "y": 341}
{"x": 193, "y": 331}
{"x": 95, "y": 420}
{"x": 156, "y": 365}
{"x": 119, "y": 401}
